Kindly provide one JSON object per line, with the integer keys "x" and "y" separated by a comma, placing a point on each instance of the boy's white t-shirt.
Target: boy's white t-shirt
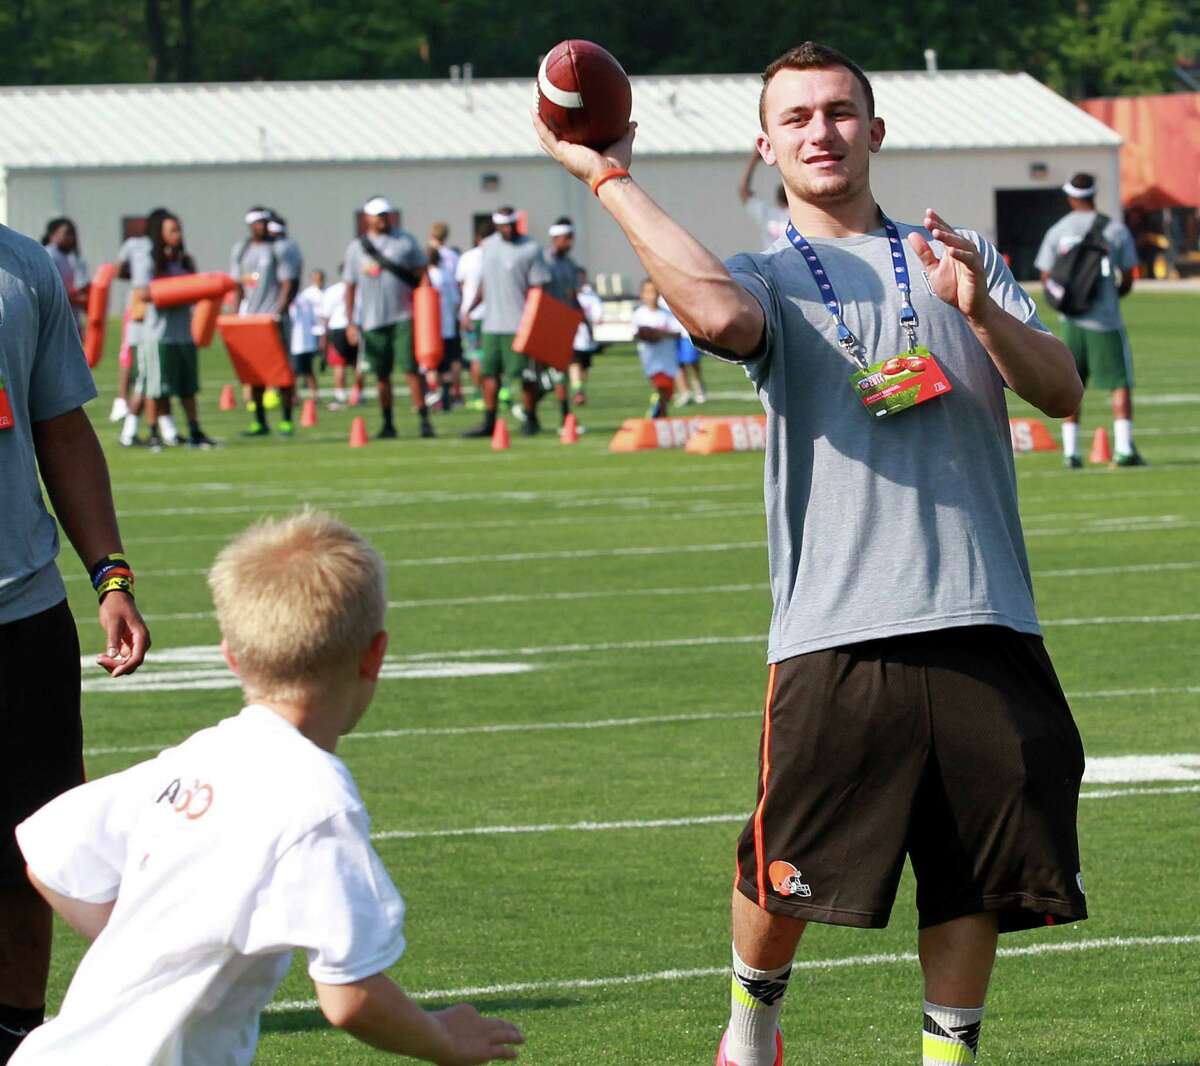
{"x": 224, "y": 855}
{"x": 658, "y": 357}
{"x": 333, "y": 306}
{"x": 593, "y": 310}
{"x": 441, "y": 277}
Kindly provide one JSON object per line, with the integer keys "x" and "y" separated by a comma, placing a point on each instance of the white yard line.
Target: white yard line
{"x": 1052, "y": 947}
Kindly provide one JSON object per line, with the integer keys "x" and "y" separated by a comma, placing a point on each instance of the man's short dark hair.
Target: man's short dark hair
{"x": 1083, "y": 180}
{"x": 563, "y": 220}
{"x": 812, "y": 56}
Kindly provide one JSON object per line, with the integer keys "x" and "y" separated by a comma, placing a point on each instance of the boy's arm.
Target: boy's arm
{"x": 376, "y": 1011}
{"x": 87, "y": 919}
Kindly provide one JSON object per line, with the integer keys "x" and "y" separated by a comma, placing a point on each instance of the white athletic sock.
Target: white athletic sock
{"x": 119, "y": 409}
{"x": 1070, "y": 438}
{"x": 129, "y": 430}
{"x": 166, "y": 428}
{"x": 756, "y": 1002}
{"x": 951, "y": 1036}
{"x": 1123, "y": 435}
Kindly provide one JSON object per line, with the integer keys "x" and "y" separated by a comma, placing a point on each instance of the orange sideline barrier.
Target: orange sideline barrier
{"x": 1030, "y": 435}
{"x": 97, "y": 313}
{"x": 256, "y": 350}
{"x": 428, "y": 346}
{"x": 204, "y": 321}
{"x": 190, "y": 288}
{"x": 699, "y": 436}
{"x": 547, "y": 330}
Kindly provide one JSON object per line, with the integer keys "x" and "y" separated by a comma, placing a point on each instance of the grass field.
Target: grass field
{"x": 560, "y": 760}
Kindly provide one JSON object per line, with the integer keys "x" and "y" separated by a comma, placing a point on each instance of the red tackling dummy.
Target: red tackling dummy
{"x": 190, "y": 288}
{"x": 583, "y": 94}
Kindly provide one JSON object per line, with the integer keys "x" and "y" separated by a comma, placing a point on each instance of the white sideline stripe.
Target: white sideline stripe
{"x": 676, "y": 823}
{"x": 1146, "y": 619}
{"x": 692, "y": 590}
{"x": 1065, "y": 947}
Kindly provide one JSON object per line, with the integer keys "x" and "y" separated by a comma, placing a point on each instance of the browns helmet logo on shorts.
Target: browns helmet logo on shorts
{"x": 785, "y": 879}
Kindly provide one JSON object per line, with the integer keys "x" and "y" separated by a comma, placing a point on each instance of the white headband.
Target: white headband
{"x": 561, "y": 229}
{"x": 499, "y": 218}
{"x": 1080, "y": 193}
{"x": 257, "y": 216}
{"x": 275, "y": 226}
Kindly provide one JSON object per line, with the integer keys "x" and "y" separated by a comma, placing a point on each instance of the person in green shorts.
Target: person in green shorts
{"x": 386, "y": 266}
{"x": 166, "y": 354}
{"x": 1097, "y": 337}
{"x": 512, "y": 265}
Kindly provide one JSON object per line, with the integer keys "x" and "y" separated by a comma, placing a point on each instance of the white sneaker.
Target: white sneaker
{"x": 119, "y": 410}
{"x": 518, "y": 412}
{"x": 701, "y": 398}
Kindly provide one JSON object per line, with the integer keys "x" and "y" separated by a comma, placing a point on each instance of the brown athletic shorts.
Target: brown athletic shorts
{"x": 955, "y": 748}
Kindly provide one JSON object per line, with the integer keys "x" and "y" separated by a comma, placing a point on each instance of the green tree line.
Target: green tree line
{"x": 1079, "y": 47}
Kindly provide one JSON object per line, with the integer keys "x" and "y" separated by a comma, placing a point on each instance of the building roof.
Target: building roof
{"x": 85, "y": 127}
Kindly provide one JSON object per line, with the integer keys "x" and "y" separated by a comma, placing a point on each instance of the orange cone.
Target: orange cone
{"x": 569, "y": 434}
{"x": 228, "y": 401}
{"x": 355, "y": 396}
{"x": 358, "y": 433}
{"x": 500, "y": 436}
{"x": 1101, "y": 452}
{"x": 308, "y": 413}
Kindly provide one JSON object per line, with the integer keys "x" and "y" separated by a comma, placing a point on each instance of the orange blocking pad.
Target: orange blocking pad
{"x": 204, "y": 321}
{"x": 190, "y": 288}
{"x": 547, "y": 330}
{"x": 711, "y": 434}
{"x": 1030, "y": 435}
{"x": 428, "y": 344}
{"x": 97, "y": 312}
{"x": 256, "y": 350}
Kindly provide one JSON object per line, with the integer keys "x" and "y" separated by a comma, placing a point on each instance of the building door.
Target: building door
{"x": 1022, "y": 218}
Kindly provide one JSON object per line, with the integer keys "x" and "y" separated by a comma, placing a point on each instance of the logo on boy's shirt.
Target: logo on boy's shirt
{"x": 192, "y": 802}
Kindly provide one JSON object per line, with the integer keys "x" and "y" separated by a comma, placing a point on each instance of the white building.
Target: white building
{"x": 986, "y": 149}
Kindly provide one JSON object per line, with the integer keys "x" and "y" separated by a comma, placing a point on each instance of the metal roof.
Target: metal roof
{"x": 78, "y": 127}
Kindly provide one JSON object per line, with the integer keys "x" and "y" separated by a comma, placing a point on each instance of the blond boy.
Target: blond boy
{"x": 198, "y": 872}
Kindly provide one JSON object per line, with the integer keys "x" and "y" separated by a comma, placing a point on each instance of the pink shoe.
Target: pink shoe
{"x": 721, "y": 1060}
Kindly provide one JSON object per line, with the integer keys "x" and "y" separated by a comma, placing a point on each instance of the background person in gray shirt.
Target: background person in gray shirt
{"x": 381, "y": 269}
{"x": 1097, "y": 338}
{"x": 44, "y": 383}
{"x": 266, "y": 285}
{"x": 512, "y": 265}
{"x": 911, "y": 708}
{"x": 130, "y": 247}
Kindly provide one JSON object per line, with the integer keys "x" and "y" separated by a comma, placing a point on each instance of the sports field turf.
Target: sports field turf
{"x": 559, "y": 764}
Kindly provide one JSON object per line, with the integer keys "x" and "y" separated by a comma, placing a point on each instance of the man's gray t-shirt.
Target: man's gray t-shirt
{"x": 1068, "y": 231}
{"x": 563, "y": 278}
{"x": 45, "y": 375}
{"x": 291, "y": 262}
{"x": 168, "y": 325}
{"x": 131, "y": 248}
{"x": 261, "y": 270}
{"x": 881, "y": 527}
{"x": 385, "y": 298}
{"x": 510, "y": 270}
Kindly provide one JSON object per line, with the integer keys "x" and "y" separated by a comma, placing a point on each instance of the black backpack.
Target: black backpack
{"x": 1071, "y": 283}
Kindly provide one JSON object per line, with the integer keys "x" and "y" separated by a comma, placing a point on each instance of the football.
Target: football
{"x": 583, "y": 95}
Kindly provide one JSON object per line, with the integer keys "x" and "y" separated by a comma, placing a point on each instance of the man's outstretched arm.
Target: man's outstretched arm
{"x": 699, "y": 290}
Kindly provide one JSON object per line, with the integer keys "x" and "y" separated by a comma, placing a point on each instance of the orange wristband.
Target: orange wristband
{"x": 607, "y": 175}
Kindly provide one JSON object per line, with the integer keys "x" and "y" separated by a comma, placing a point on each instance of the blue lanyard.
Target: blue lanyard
{"x": 846, "y": 338}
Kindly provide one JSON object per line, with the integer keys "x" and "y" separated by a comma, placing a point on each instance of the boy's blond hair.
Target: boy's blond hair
{"x": 298, "y": 601}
